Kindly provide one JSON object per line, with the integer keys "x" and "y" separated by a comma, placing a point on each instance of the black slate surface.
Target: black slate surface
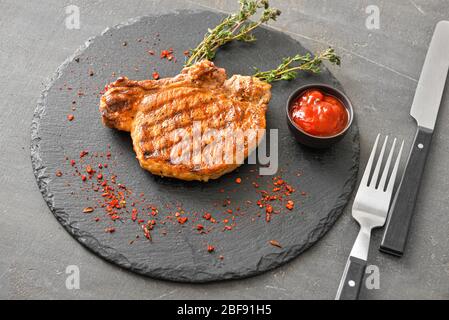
{"x": 328, "y": 176}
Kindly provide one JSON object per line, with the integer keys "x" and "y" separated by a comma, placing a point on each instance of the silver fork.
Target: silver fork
{"x": 370, "y": 210}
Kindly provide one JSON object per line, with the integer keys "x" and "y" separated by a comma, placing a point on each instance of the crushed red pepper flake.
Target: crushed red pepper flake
{"x": 182, "y": 220}
{"x": 70, "y": 117}
{"x": 114, "y": 196}
{"x": 156, "y": 75}
{"x": 210, "y": 248}
{"x": 58, "y": 173}
{"x": 275, "y": 243}
{"x": 109, "y": 230}
{"x": 88, "y": 210}
{"x": 84, "y": 153}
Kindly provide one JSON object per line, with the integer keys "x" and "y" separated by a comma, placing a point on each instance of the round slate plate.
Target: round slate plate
{"x": 328, "y": 177}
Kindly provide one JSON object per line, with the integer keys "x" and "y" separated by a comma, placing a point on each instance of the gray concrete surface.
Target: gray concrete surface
{"x": 377, "y": 65}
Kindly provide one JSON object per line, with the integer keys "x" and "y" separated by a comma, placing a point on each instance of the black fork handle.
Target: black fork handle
{"x": 352, "y": 279}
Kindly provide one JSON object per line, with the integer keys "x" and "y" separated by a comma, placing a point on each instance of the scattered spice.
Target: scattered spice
{"x": 155, "y": 75}
{"x": 210, "y": 248}
{"x": 275, "y": 243}
{"x": 119, "y": 203}
{"x": 88, "y": 210}
{"x": 182, "y": 220}
{"x": 110, "y": 230}
{"x": 167, "y": 54}
{"x": 58, "y": 173}
{"x": 207, "y": 216}
{"x": 70, "y": 117}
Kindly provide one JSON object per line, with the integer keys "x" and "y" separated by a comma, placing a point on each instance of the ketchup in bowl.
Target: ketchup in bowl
{"x": 319, "y": 114}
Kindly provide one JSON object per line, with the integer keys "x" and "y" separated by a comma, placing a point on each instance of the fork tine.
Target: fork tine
{"x": 395, "y": 171}
{"x": 375, "y": 177}
{"x": 370, "y": 163}
{"x": 387, "y": 167}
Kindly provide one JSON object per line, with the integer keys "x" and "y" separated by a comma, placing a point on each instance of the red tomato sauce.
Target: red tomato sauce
{"x": 319, "y": 114}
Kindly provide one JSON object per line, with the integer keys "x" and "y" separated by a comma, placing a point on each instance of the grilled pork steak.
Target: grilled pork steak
{"x": 185, "y": 127}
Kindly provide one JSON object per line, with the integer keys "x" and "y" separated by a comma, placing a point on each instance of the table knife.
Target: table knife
{"x": 424, "y": 110}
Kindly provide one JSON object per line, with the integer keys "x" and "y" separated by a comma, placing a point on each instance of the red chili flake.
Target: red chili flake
{"x": 83, "y": 177}
{"x": 88, "y": 210}
{"x": 100, "y": 166}
{"x": 275, "y": 243}
{"x": 290, "y": 204}
{"x": 155, "y": 75}
{"x": 58, "y": 173}
{"x": 182, "y": 220}
{"x": 151, "y": 52}
{"x": 225, "y": 220}
{"x": 210, "y": 248}
{"x": 97, "y": 219}
{"x": 146, "y": 232}
{"x": 279, "y": 182}
{"x": 238, "y": 180}
{"x": 70, "y": 117}
{"x": 269, "y": 208}
{"x": 199, "y": 227}
{"x": 72, "y": 163}
{"x": 268, "y": 217}
{"x": 134, "y": 214}
{"x": 256, "y": 185}
{"x": 165, "y": 54}
{"x": 187, "y": 53}
{"x": 110, "y": 230}
{"x": 83, "y": 153}
{"x": 99, "y": 176}
{"x": 207, "y": 216}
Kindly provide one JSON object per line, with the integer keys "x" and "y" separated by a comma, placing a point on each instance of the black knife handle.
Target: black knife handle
{"x": 401, "y": 210}
{"x": 352, "y": 279}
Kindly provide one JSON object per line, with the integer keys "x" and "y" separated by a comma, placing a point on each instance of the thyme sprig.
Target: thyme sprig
{"x": 233, "y": 27}
{"x": 288, "y": 69}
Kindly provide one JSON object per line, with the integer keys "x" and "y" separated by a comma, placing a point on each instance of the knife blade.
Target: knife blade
{"x": 426, "y": 103}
